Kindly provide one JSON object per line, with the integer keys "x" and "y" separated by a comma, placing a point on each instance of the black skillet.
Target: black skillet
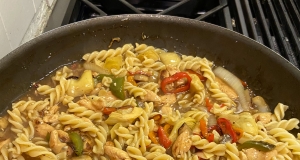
{"x": 267, "y": 73}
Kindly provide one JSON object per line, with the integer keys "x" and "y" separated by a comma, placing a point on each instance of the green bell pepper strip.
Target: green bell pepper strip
{"x": 117, "y": 85}
{"x": 77, "y": 142}
{"x": 259, "y": 145}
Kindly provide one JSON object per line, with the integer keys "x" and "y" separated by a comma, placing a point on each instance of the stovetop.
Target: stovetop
{"x": 273, "y": 23}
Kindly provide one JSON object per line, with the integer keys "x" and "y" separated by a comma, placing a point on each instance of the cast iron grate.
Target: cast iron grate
{"x": 274, "y": 23}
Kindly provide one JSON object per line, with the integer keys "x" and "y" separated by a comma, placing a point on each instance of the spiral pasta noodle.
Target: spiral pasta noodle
{"x": 33, "y": 150}
{"x": 212, "y": 85}
{"x": 15, "y": 120}
{"x": 81, "y": 111}
{"x": 84, "y": 125}
{"x": 134, "y": 90}
{"x": 104, "y": 54}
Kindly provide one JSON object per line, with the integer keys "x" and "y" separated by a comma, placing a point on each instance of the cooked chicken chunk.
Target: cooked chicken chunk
{"x": 3, "y": 122}
{"x": 263, "y": 117}
{"x": 170, "y": 70}
{"x": 227, "y": 89}
{"x": 183, "y": 142}
{"x": 166, "y": 109}
{"x": 151, "y": 96}
{"x": 168, "y": 98}
{"x": 51, "y": 118}
{"x": 63, "y": 136}
{"x": 3, "y": 125}
{"x": 55, "y": 144}
{"x": 95, "y": 104}
{"x": 116, "y": 153}
{"x": 253, "y": 154}
{"x": 107, "y": 96}
{"x": 43, "y": 129}
{"x": 88, "y": 145}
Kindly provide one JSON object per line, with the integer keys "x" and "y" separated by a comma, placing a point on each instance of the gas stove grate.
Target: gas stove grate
{"x": 273, "y": 23}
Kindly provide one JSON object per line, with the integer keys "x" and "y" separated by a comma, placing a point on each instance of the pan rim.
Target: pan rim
{"x": 152, "y": 17}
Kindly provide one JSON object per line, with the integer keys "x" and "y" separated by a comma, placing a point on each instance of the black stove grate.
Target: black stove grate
{"x": 274, "y": 23}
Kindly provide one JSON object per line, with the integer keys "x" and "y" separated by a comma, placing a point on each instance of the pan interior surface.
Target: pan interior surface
{"x": 266, "y": 73}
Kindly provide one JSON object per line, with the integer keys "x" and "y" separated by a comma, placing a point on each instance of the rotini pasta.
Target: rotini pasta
{"x": 138, "y": 102}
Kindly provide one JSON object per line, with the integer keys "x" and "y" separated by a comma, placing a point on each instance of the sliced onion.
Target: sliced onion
{"x": 261, "y": 104}
{"x": 96, "y": 68}
{"x": 212, "y": 120}
{"x": 235, "y": 83}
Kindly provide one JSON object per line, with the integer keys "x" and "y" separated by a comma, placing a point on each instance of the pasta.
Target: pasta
{"x": 138, "y": 102}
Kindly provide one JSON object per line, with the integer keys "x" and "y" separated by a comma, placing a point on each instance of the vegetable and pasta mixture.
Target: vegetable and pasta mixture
{"x": 141, "y": 102}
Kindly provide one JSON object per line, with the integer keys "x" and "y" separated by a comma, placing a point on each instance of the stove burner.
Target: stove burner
{"x": 273, "y": 23}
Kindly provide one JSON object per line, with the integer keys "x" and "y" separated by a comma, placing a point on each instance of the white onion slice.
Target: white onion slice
{"x": 95, "y": 68}
{"x": 235, "y": 83}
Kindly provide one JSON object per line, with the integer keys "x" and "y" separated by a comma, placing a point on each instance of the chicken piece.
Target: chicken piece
{"x": 116, "y": 153}
{"x": 93, "y": 103}
{"x": 107, "y": 96}
{"x": 97, "y": 88}
{"x": 43, "y": 129}
{"x": 50, "y": 115}
{"x": 151, "y": 96}
{"x": 55, "y": 144}
{"x": 51, "y": 118}
{"x": 263, "y": 117}
{"x": 63, "y": 136}
{"x": 226, "y": 89}
{"x": 70, "y": 151}
{"x": 83, "y": 157}
{"x": 3, "y": 122}
{"x": 3, "y": 125}
{"x": 53, "y": 109}
{"x": 88, "y": 145}
{"x": 170, "y": 70}
{"x": 67, "y": 128}
{"x": 253, "y": 154}
{"x": 3, "y": 143}
{"x": 166, "y": 109}
{"x": 168, "y": 99}
{"x": 271, "y": 154}
{"x": 183, "y": 142}
{"x": 86, "y": 103}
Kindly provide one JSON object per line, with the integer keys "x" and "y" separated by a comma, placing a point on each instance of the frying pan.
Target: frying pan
{"x": 266, "y": 73}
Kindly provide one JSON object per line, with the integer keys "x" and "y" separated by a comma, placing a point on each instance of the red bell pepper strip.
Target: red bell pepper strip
{"x": 204, "y": 131}
{"x": 200, "y": 76}
{"x": 163, "y": 138}
{"x": 108, "y": 110}
{"x": 208, "y": 104}
{"x": 226, "y": 128}
{"x": 210, "y": 137}
{"x": 177, "y": 76}
{"x": 203, "y": 127}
